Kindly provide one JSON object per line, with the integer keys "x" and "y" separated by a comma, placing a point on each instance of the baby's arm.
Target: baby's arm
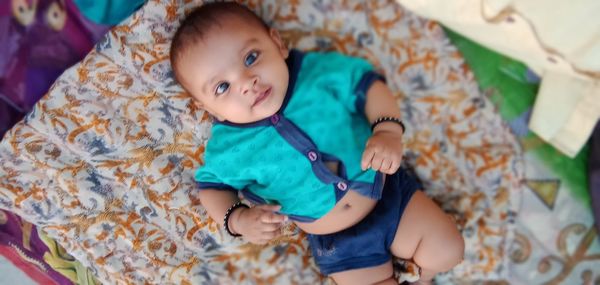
{"x": 383, "y": 151}
{"x": 216, "y": 203}
{"x": 257, "y": 224}
{"x": 381, "y": 103}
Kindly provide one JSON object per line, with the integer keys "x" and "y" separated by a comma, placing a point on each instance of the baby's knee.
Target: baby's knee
{"x": 458, "y": 248}
{"x": 454, "y": 251}
{"x": 445, "y": 252}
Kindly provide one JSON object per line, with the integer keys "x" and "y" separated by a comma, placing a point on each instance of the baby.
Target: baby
{"x": 311, "y": 137}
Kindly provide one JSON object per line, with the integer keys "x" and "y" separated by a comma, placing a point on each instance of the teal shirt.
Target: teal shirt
{"x": 281, "y": 159}
{"x": 108, "y": 12}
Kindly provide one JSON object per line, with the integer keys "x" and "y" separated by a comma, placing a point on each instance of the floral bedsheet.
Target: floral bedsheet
{"x": 104, "y": 162}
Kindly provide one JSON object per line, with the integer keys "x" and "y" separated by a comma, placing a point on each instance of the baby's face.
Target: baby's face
{"x": 237, "y": 72}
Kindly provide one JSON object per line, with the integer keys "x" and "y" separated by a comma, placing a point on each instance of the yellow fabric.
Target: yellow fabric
{"x": 566, "y": 111}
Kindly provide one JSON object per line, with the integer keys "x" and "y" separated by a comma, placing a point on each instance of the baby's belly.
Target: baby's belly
{"x": 348, "y": 211}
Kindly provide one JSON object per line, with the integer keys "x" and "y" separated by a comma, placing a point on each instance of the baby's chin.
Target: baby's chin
{"x": 265, "y": 115}
{"x": 269, "y": 110}
{"x": 253, "y": 118}
{"x": 246, "y": 120}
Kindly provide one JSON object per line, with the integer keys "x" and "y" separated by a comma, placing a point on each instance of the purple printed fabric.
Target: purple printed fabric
{"x": 39, "y": 40}
{"x": 23, "y": 237}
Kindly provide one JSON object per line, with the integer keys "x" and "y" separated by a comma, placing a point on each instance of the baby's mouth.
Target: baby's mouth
{"x": 262, "y": 96}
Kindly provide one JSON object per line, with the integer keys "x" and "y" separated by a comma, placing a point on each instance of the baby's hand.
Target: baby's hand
{"x": 383, "y": 151}
{"x": 258, "y": 224}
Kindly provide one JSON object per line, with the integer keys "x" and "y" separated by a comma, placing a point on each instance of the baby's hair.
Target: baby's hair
{"x": 203, "y": 19}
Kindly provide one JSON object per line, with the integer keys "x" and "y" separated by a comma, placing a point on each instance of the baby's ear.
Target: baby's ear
{"x": 279, "y": 42}
{"x": 197, "y": 104}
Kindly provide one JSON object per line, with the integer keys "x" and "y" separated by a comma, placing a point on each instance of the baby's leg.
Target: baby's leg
{"x": 380, "y": 275}
{"x": 429, "y": 237}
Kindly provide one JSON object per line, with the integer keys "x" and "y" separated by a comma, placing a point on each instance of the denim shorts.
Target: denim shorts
{"x": 367, "y": 243}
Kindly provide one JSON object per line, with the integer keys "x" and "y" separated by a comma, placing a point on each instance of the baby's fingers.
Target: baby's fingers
{"x": 269, "y": 207}
{"x": 272, "y": 218}
{"x": 270, "y": 235}
{"x": 367, "y": 156}
{"x": 377, "y": 162}
{"x": 385, "y": 165}
{"x": 393, "y": 167}
{"x": 270, "y": 227}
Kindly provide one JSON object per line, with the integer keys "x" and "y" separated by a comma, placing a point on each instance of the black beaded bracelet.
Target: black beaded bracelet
{"x": 388, "y": 119}
{"x": 228, "y": 213}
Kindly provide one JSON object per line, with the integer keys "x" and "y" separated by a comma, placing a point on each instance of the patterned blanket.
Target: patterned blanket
{"x": 104, "y": 162}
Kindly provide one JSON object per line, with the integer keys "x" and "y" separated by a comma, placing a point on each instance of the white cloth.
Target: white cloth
{"x": 560, "y": 40}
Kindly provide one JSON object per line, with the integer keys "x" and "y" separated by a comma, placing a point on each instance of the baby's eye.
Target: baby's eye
{"x": 251, "y": 58}
{"x": 222, "y": 88}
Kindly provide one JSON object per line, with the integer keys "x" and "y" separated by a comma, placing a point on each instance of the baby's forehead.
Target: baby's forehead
{"x": 220, "y": 21}
{"x": 220, "y": 41}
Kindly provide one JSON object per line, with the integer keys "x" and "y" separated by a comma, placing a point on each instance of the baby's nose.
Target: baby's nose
{"x": 249, "y": 86}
